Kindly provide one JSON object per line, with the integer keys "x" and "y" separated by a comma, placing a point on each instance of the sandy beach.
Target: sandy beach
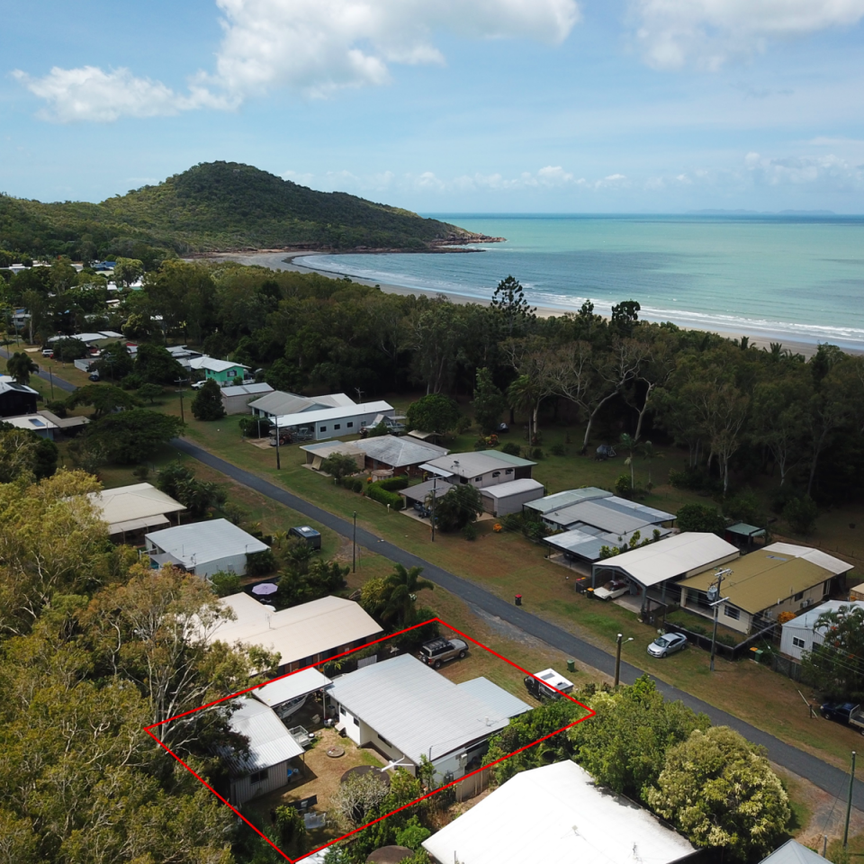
{"x": 285, "y": 260}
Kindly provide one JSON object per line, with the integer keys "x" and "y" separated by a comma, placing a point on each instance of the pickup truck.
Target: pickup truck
{"x": 844, "y": 712}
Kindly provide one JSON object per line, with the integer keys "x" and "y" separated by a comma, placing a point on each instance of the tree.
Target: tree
{"x": 836, "y": 666}
{"x": 156, "y": 365}
{"x": 508, "y": 300}
{"x": 801, "y": 513}
{"x": 700, "y": 517}
{"x": 624, "y": 746}
{"x": 150, "y": 392}
{"x": 402, "y": 586}
{"x": 25, "y": 455}
{"x": 69, "y": 349}
{"x": 114, "y": 362}
{"x": 339, "y": 466}
{"x": 127, "y": 271}
{"x": 197, "y": 496}
{"x": 720, "y": 792}
{"x": 433, "y": 413}
{"x": 489, "y": 402}
{"x": 131, "y": 436}
{"x": 436, "y": 334}
{"x": 624, "y": 316}
{"x": 457, "y": 508}
{"x": 207, "y": 404}
{"x": 20, "y": 366}
{"x": 105, "y": 399}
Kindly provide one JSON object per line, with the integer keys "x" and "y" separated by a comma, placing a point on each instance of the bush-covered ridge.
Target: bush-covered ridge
{"x": 213, "y": 206}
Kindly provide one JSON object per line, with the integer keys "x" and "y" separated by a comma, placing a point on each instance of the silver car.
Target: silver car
{"x": 667, "y": 644}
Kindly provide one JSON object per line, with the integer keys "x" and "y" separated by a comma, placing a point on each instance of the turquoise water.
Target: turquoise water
{"x": 792, "y": 277}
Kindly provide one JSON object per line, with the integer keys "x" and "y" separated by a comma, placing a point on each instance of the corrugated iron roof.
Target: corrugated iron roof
{"x": 567, "y": 498}
{"x": 202, "y": 542}
{"x": 291, "y": 686}
{"x": 269, "y": 740}
{"x": 399, "y": 452}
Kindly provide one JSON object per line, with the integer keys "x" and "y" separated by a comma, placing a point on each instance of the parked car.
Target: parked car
{"x": 48, "y": 352}
{"x": 547, "y": 684}
{"x": 438, "y": 651}
{"x": 849, "y": 713}
{"x": 613, "y": 589}
{"x": 605, "y": 451}
{"x": 502, "y": 429}
{"x": 197, "y": 385}
{"x": 93, "y": 376}
{"x": 667, "y": 644}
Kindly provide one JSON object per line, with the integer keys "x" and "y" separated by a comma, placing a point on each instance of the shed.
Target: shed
{"x": 744, "y": 535}
{"x": 556, "y": 813}
{"x": 800, "y": 636}
{"x": 135, "y": 508}
{"x": 271, "y": 749}
{"x": 510, "y": 497}
{"x": 203, "y": 548}
{"x": 235, "y": 400}
{"x": 310, "y": 536}
{"x": 421, "y": 492}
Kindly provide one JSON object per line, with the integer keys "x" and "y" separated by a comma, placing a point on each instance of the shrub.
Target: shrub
{"x": 260, "y": 563}
{"x": 382, "y": 496}
{"x": 249, "y": 426}
{"x": 132, "y": 381}
{"x": 511, "y": 449}
{"x": 699, "y": 517}
{"x": 558, "y": 450}
{"x": 469, "y": 531}
{"x": 536, "y": 453}
{"x": 224, "y": 583}
{"x": 392, "y": 484}
{"x": 801, "y": 514}
{"x": 623, "y": 487}
{"x": 57, "y": 406}
{"x": 357, "y": 484}
{"x": 512, "y": 522}
{"x": 463, "y": 425}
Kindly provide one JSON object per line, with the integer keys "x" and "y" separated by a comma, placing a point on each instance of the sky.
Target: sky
{"x": 445, "y": 106}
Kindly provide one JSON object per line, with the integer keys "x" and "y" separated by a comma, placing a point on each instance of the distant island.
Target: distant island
{"x": 761, "y": 213}
{"x": 218, "y": 206}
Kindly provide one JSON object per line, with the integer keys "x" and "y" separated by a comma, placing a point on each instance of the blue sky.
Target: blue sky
{"x": 445, "y": 106}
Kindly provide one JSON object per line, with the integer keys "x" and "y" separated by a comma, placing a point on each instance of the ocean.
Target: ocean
{"x": 796, "y": 278}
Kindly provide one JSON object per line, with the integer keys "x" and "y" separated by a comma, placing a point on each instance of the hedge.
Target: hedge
{"x": 382, "y": 496}
{"x": 392, "y": 484}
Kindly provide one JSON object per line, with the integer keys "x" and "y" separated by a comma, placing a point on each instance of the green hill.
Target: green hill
{"x": 217, "y": 206}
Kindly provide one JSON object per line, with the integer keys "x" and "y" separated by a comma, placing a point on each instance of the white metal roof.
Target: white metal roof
{"x": 807, "y": 621}
{"x": 565, "y": 499}
{"x": 280, "y": 402}
{"x": 680, "y": 555}
{"x": 202, "y": 542}
{"x": 512, "y": 487}
{"x": 814, "y": 556}
{"x": 269, "y": 741}
{"x": 247, "y": 390}
{"x": 420, "y": 711}
{"x": 299, "y": 632}
{"x": 138, "y": 503}
{"x": 33, "y": 422}
{"x": 214, "y": 365}
{"x": 607, "y": 516}
{"x": 291, "y": 686}
{"x": 399, "y": 452}
{"x": 475, "y": 464}
{"x": 586, "y": 542}
{"x": 792, "y": 852}
{"x": 324, "y": 415}
{"x": 556, "y": 815}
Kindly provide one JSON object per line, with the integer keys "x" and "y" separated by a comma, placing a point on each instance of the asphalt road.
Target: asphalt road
{"x": 825, "y": 776}
{"x": 59, "y": 383}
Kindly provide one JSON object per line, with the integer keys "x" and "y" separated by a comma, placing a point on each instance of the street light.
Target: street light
{"x": 714, "y": 601}
{"x": 619, "y": 642}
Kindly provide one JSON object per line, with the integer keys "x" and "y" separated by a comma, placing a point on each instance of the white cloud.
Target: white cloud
{"x": 707, "y": 33}
{"x": 314, "y": 47}
{"x": 826, "y": 172}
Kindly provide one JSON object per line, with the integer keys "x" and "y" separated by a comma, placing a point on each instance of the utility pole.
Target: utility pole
{"x": 51, "y": 377}
{"x": 180, "y": 382}
{"x": 354, "y": 546}
{"x": 849, "y": 803}
{"x": 619, "y": 642}
{"x": 278, "y": 460}
{"x": 714, "y": 599}
{"x": 434, "y": 499}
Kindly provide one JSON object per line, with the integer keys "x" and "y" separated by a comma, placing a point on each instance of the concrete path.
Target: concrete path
{"x": 825, "y": 776}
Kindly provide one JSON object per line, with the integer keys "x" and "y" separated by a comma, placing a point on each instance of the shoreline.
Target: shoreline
{"x": 284, "y": 260}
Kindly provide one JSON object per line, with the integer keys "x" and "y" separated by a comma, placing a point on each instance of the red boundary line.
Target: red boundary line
{"x": 336, "y": 657}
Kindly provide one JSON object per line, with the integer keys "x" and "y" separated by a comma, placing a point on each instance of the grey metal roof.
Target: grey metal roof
{"x": 513, "y": 487}
{"x": 792, "y": 852}
{"x": 502, "y": 702}
{"x": 567, "y": 498}
{"x": 517, "y": 461}
{"x": 419, "y": 711}
{"x": 650, "y": 514}
{"x": 291, "y": 686}
{"x": 475, "y": 464}
{"x": 279, "y": 402}
{"x": 587, "y": 542}
{"x": 399, "y": 452}
{"x": 269, "y": 740}
{"x": 247, "y": 389}
{"x": 422, "y": 491}
{"x": 202, "y": 542}
{"x": 609, "y": 519}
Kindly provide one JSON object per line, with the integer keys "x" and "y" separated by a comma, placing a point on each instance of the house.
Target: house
{"x": 203, "y": 548}
{"x": 792, "y": 852}
{"x": 271, "y": 751}
{"x": 322, "y": 423}
{"x": 799, "y": 636}
{"x": 17, "y": 399}
{"x": 505, "y": 498}
{"x": 407, "y": 710}
{"x": 317, "y": 453}
{"x": 287, "y": 694}
{"x": 481, "y": 469}
{"x": 782, "y": 577}
{"x": 130, "y": 510}
{"x": 236, "y": 399}
{"x": 301, "y": 636}
{"x": 560, "y": 500}
{"x": 396, "y": 454}
{"x": 279, "y": 403}
{"x": 659, "y": 566}
{"x": 556, "y": 813}
{"x": 42, "y": 426}
{"x": 223, "y": 372}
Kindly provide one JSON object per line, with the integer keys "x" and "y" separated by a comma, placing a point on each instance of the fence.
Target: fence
{"x": 473, "y": 785}
{"x": 786, "y": 666}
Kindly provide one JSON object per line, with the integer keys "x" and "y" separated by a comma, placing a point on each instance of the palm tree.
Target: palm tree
{"x": 403, "y": 586}
{"x": 20, "y": 366}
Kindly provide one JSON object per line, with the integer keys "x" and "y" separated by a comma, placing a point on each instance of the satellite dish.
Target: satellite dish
{"x": 713, "y": 594}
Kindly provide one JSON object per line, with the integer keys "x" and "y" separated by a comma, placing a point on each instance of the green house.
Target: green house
{"x": 223, "y": 372}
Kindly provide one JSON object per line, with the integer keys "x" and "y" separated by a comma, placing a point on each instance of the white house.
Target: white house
{"x": 407, "y": 710}
{"x": 279, "y": 403}
{"x": 129, "y": 509}
{"x": 203, "y": 548}
{"x": 326, "y": 423}
{"x": 556, "y": 815}
{"x": 799, "y": 636}
{"x": 481, "y": 469}
{"x": 271, "y": 748}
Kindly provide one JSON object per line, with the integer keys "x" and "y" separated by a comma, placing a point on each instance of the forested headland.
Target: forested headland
{"x": 217, "y": 206}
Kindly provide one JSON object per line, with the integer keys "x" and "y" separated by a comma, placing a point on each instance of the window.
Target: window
{"x": 798, "y": 596}
{"x": 798, "y": 643}
{"x": 258, "y": 776}
{"x": 323, "y": 429}
{"x": 732, "y": 612}
{"x": 509, "y": 471}
{"x": 350, "y": 425}
{"x": 232, "y": 373}
{"x": 356, "y": 721}
{"x": 337, "y": 426}
{"x": 496, "y": 473}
